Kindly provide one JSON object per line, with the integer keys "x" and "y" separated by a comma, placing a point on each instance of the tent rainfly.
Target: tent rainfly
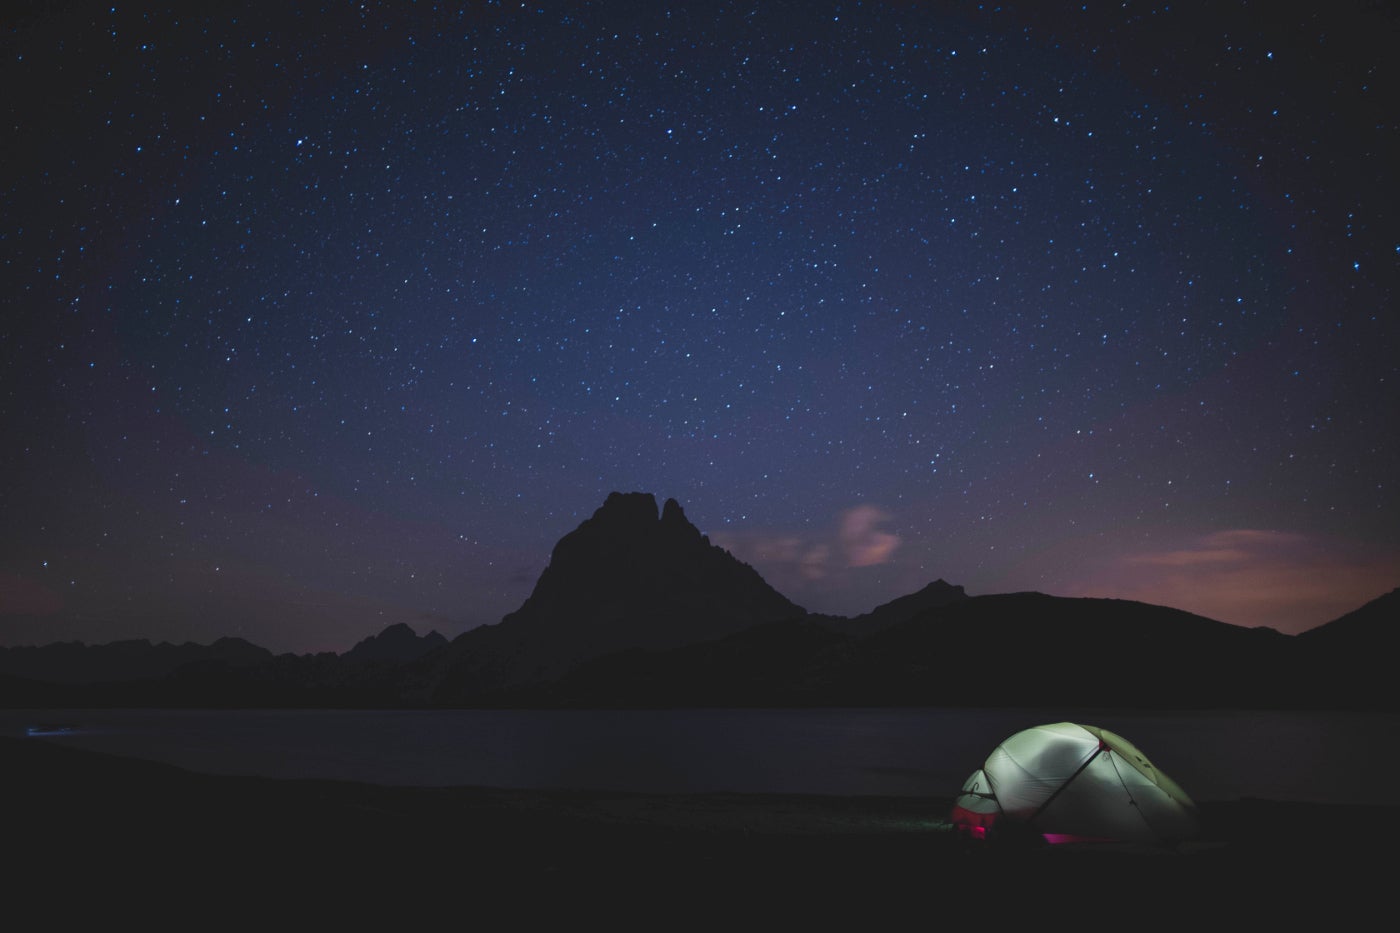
{"x": 1073, "y": 783}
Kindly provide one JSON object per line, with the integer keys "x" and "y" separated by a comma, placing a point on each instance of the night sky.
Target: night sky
{"x": 319, "y": 321}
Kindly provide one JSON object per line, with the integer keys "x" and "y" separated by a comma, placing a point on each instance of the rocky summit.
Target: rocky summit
{"x": 654, "y": 575}
{"x": 631, "y": 576}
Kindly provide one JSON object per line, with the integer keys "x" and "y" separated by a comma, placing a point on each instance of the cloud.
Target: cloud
{"x": 814, "y": 562}
{"x": 1222, "y": 547}
{"x": 787, "y": 560}
{"x": 861, "y": 540}
{"x": 793, "y": 556}
{"x": 1287, "y": 581}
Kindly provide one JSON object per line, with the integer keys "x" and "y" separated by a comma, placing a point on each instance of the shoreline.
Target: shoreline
{"x": 127, "y": 823}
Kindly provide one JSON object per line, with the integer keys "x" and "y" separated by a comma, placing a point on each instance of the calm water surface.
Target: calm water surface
{"x": 1216, "y": 755}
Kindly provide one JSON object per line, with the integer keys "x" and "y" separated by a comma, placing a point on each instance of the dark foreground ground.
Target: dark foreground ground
{"x": 115, "y": 839}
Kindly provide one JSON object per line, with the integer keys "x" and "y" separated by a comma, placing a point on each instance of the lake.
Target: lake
{"x": 1324, "y": 757}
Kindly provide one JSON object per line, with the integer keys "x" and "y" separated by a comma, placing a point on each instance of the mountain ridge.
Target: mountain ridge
{"x": 637, "y": 608}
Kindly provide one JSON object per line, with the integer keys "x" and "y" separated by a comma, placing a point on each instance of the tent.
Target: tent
{"x": 1073, "y": 783}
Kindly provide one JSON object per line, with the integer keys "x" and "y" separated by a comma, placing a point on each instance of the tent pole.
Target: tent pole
{"x": 1132, "y": 801}
{"x": 1068, "y": 781}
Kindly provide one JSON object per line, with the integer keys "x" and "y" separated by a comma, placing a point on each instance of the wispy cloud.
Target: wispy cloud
{"x": 857, "y": 539}
{"x": 862, "y": 541}
{"x": 1221, "y": 548}
{"x": 1249, "y": 576}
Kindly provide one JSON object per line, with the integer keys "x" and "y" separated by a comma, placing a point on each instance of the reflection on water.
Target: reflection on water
{"x": 1214, "y": 755}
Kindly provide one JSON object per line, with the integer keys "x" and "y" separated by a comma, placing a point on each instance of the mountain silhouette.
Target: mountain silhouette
{"x": 628, "y": 577}
{"x": 1376, "y": 623}
{"x": 636, "y": 608}
{"x": 1032, "y": 649}
{"x": 129, "y": 660}
{"x": 397, "y": 644}
{"x": 1021, "y": 649}
{"x": 937, "y": 594}
{"x": 1352, "y": 658}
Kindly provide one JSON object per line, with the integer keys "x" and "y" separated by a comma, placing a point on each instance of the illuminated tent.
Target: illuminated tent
{"x": 1073, "y": 783}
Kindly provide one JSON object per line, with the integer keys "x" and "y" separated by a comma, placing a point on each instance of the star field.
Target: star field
{"x": 317, "y": 320}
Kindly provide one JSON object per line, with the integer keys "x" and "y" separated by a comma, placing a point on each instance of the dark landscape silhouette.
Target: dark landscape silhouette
{"x": 637, "y": 608}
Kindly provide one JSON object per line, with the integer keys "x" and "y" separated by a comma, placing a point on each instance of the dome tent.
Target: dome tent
{"x": 1073, "y": 783}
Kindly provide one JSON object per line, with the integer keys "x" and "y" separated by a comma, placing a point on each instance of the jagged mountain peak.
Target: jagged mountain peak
{"x": 673, "y": 514}
{"x": 636, "y": 513}
{"x": 630, "y": 576}
{"x": 627, "y": 509}
{"x": 630, "y": 560}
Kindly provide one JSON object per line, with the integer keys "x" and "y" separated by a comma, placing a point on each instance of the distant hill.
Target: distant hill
{"x": 122, "y": 661}
{"x": 1031, "y": 649}
{"x": 936, "y": 595}
{"x": 397, "y": 644}
{"x": 1024, "y": 649}
{"x": 1376, "y": 624}
{"x": 1354, "y": 656}
{"x": 638, "y": 609}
